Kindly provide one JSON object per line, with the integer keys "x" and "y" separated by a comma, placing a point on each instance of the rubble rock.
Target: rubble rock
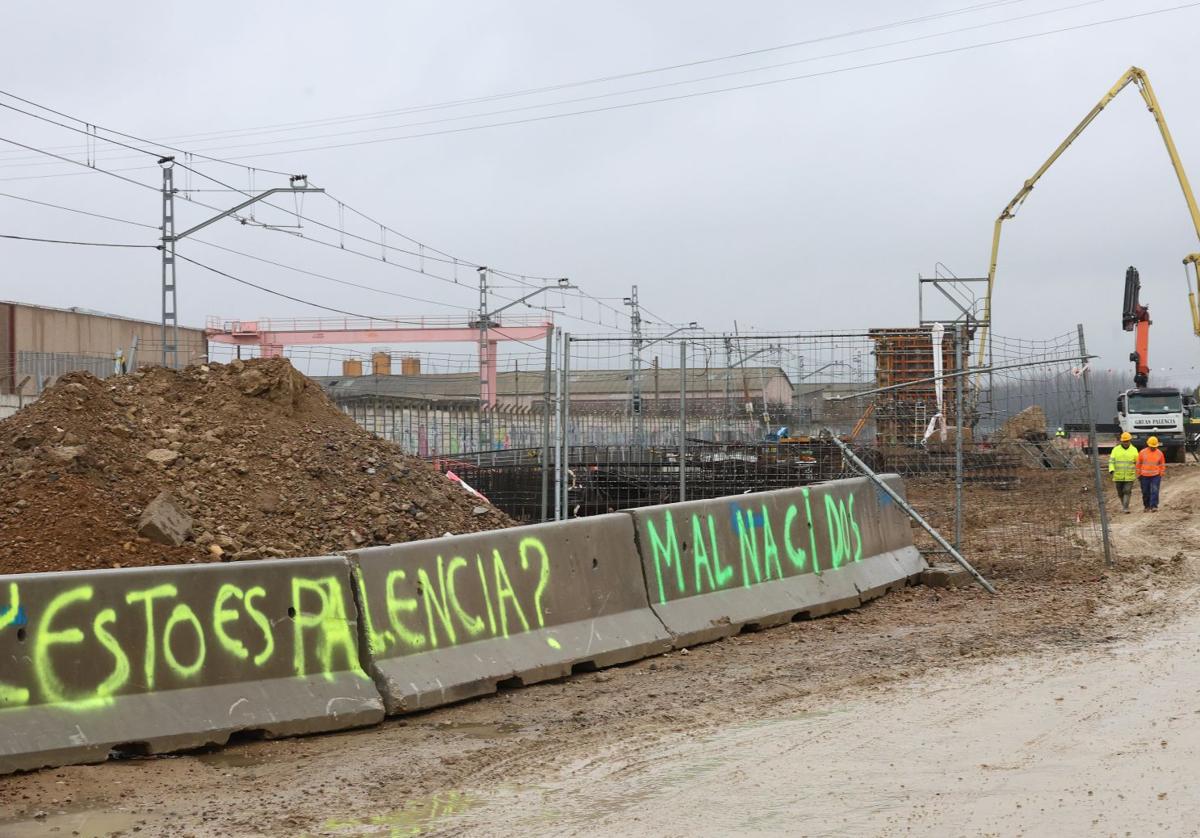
{"x": 162, "y": 456}
{"x": 164, "y": 521}
{"x": 66, "y": 454}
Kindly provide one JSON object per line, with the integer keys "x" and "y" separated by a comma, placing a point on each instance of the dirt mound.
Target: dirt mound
{"x": 254, "y": 453}
{"x": 1029, "y": 425}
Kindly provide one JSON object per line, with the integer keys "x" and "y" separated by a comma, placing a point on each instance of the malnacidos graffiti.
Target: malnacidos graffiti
{"x": 751, "y": 543}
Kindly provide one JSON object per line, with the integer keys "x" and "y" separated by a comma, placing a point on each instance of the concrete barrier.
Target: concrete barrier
{"x": 713, "y": 567}
{"x": 150, "y": 660}
{"x": 455, "y": 617}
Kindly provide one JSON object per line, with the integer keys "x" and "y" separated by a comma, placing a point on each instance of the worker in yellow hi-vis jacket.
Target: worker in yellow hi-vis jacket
{"x": 1122, "y": 465}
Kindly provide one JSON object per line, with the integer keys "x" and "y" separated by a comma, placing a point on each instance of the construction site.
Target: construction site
{"x": 553, "y": 564}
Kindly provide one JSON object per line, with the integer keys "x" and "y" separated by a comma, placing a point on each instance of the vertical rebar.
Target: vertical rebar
{"x": 546, "y": 424}
{"x": 682, "y": 420}
{"x": 1093, "y": 451}
{"x": 959, "y": 344}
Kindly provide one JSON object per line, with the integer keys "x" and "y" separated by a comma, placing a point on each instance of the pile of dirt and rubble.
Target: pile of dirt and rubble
{"x": 215, "y": 462}
{"x": 1029, "y": 425}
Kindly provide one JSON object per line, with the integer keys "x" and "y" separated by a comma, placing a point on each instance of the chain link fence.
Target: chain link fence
{"x": 595, "y": 423}
{"x": 702, "y": 416}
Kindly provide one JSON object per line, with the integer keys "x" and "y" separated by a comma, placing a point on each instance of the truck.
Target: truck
{"x": 1145, "y": 411}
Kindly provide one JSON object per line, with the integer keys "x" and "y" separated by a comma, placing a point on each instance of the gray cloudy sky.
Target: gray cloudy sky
{"x": 805, "y": 205}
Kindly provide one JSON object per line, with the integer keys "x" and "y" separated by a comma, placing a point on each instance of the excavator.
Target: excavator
{"x": 1139, "y": 79}
{"x": 1146, "y": 411}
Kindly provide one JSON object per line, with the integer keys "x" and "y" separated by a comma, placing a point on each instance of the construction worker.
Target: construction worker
{"x": 1122, "y": 465}
{"x": 1151, "y": 466}
{"x": 1060, "y": 433}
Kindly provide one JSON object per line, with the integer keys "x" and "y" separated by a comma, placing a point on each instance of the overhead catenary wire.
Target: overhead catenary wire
{"x": 590, "y": 81}
{"x": 230, "y": 250}
{"x": 730, "y": 89}
{"x": 632, "y": 91}
{"x": 27, "y": 199}
{"x": 275, "y": 293}
{"x": 89, "y": 130}
{"x": 79, "y": 243}
{"x": 709, "y": 92}
{"x": 328, "y": 278}
{"x": 306, "y": 238}
{"x": 752, "y": 85}
{"x": 238, "y": 160}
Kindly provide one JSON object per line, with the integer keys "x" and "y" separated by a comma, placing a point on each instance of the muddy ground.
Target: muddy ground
{"x": 499, "y": 765}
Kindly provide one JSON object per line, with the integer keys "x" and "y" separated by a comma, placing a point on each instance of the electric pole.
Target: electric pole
{"x": 170, "y": 311}
{"x": 635, "y": 368}
{"x": 486, "y": 396}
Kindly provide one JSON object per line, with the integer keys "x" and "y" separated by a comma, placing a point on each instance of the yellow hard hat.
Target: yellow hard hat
{"x": 1125, "y": 437}
{"x": 1152, "y": 442}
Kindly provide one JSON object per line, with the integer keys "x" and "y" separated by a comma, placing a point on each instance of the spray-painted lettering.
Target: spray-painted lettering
{"x": 446, "y": 600}
{"x": 86, "y": 644}
{"x": 771, "y": 544}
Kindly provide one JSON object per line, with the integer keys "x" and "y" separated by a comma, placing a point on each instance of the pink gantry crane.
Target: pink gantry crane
{"x": 271, "y": 335}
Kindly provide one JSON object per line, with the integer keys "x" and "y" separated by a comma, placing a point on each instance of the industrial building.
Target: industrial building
{"x": 39, "y": 343}
{"x": 710, "y": 390}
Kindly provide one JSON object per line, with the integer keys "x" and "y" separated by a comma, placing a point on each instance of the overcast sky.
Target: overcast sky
{"x": 808, "y": 204}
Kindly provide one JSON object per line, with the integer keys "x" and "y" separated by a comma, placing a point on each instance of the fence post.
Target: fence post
{"x": 565, "y": 415}
{"x": 959, "y": 344}
{"x": 558, "y": 432}
{"x": 1093, "y": 450}
{"x": 683, "y": 420}
{"x": 546, "y": 424}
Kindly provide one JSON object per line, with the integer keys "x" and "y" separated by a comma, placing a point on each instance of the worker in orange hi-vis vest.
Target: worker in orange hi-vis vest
{"x": 1151, "y": 466}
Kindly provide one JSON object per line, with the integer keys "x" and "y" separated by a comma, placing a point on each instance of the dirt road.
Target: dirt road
{"x": 1068, "y": 704}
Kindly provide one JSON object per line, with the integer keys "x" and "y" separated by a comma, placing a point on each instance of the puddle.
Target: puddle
{"x": 415, "y": 818}
{"x": 85, "y": 823}
{"x": 479, "y": 730}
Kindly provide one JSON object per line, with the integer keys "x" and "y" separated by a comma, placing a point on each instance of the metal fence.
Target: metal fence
{"x": 979, "y": 447}
{"x": 595, "y": 423}
{"x": 27, "y": 373}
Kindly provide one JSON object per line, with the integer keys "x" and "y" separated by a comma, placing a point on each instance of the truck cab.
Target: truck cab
{"x": 1191, "y": 422}
{"x": 1154, "y": 411}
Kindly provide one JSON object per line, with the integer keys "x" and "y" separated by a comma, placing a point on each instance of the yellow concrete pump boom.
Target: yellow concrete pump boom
{"x": 1133, "y": 75}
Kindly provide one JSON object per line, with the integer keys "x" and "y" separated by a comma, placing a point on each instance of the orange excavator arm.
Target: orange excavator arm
{"x": 1135, "y": 317}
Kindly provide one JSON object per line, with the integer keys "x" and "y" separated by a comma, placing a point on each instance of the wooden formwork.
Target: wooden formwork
{"x": 903, "y": 356}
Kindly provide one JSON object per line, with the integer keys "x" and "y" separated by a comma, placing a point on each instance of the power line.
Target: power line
{"x": 78, "y": 163}
{"x": 209, "y": 206}
{"x": 343, "y": 232}
{"x": 327, "y": 277}
{"x": 94, "y": 127}
{"x": 643, "y": 89}
{"x": 695, "y": 94}
{"x": 275, "y": 293}
{"x": 78, "y": 211}
{"x": 730, "y": 89}
{"x": 584, "y": 82}
{"x": 84, "y": 244}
